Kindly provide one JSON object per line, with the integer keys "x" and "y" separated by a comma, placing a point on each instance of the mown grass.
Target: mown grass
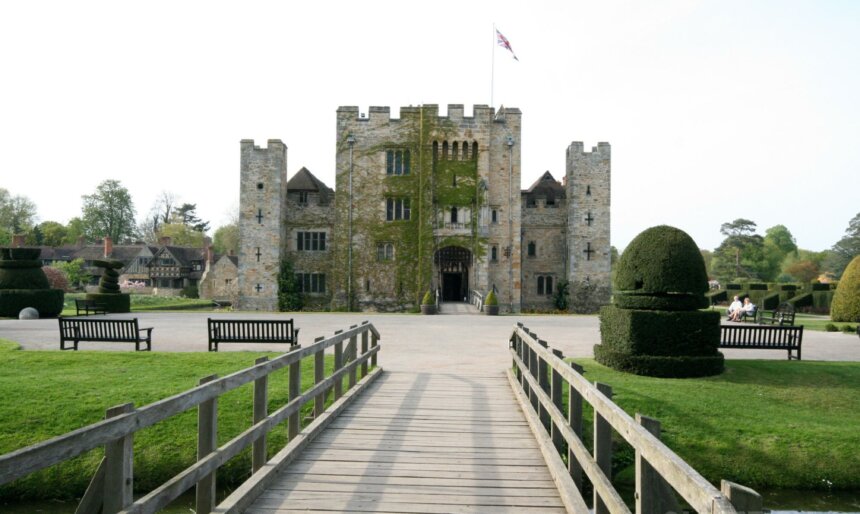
{"x": 46, "y": 393}
{"x": 764, "y": 424}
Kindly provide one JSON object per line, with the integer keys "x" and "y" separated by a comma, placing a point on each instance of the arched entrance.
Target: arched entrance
{"x": 452, "y": 265}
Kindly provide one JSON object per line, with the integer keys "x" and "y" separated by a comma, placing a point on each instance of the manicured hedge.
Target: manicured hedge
{"x": 717, "y": 296}
{"x": 662, "y": 261}
{"x": 661, "y": 302}
{"x": 22, "y": 275}
{"x": 770, "y": 302}
{"x": 757, "y": 286}
{"x": 819, "y": 287}
{"x": 846, "y": 299}
{"x": 660, "y": 332}
{"x": 687, "y": 366}
{"x": 49, "y": 302}
{"x": 117, "y": 303}
{"x": 801, "y": 300}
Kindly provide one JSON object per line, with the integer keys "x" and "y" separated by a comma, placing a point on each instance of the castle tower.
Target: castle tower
{"x": 588, "y": 197}
{"x": 263, "y": 174}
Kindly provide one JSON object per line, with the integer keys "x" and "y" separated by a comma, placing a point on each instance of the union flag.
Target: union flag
{"x": 504, "y": 43}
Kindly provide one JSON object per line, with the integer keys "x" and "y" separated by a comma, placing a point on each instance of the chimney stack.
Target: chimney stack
{"x": 108, "y": 247}
{"x": 210, "y": 254}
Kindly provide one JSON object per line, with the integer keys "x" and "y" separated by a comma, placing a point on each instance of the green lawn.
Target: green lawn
{"x": 766, "y": 424}
{"x": 47, "y": 393}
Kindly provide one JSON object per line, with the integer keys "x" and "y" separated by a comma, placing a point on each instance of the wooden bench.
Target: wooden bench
{"x": 762, "y": 337}
{"x": 76, "y": 330}
{"x": 89, "y": 307}
{"x": 251, "y": 331}
{"x": 782, "y": 315}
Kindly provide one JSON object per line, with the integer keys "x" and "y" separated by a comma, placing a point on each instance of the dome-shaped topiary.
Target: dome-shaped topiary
{"x": 846, "y": 299}
{"x": 661, "y": 269}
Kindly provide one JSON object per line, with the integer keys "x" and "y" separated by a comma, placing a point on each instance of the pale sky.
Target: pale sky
{"x": 715, "y": 110}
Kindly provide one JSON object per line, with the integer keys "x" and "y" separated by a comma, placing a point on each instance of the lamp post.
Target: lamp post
{"x": 510, "y": 143}
{"x": 350, "y": 140}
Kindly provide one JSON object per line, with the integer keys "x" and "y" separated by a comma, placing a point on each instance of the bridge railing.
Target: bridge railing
{"x": 111, "y": 487}
{"x": 540, "y": 377}
{"x": 477, "y": 300}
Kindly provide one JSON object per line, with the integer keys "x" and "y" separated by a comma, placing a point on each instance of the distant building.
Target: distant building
{"x": 425, "y": 202}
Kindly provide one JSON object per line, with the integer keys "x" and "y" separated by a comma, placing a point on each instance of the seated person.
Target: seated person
{"x": 748, "y": 310}
{"x": 735, "y": 306}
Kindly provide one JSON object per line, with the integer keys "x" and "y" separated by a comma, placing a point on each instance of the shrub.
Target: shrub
{"x": 830, "y": 327}
{"x": 491, "y": 299}
{"x": 846, "y": 300}
{"x": 49, "y": 302}
{"x": 662, "y": 268}
{"x": 190, "y": 292}
{"x": 428, "y": 298}
{"x": 289, "y": 296}
{"x": 113, "y": 302}
{"x": 561, "y": 297}
{"x": 56, "y": 278}
{"x": 848, "y": 329}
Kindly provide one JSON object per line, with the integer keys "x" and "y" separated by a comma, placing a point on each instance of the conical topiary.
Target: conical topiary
{"x": 654, "y": 326}
{"x": 846, "y": 299}
{"x": 109, "y": 294}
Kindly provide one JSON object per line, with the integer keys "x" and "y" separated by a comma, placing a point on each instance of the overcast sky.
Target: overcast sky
{"x": 715, "y": 110}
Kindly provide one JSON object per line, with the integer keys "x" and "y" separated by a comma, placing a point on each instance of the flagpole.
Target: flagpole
{"x": 493, "y": 68}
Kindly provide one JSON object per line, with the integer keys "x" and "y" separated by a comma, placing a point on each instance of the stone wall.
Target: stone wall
{"x": 262, "y": 223}
{"x": 220, "y": 281}
{"x": 546, "y": 226}
{"x": 588, "y": 195}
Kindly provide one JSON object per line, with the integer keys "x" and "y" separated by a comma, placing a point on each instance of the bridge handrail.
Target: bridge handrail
{"x": 477, "y": 300}
{"x": 533, "y": 360}
{"x": 38, "y": 456}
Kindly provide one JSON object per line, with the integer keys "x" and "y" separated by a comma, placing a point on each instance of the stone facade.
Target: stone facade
{"x": 220, "y": 279}
{"x": 423, "y": 202}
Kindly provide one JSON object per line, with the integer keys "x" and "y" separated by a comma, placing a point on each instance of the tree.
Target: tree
{"x": 226, "y": 239}
{"x": 778, "y": 243}
{"x": 803, "y": 271}
{"x": 846, "y": 248}
{"x": 48, "y": 233}
{"x": 186, "y": 214}
{"x": 182, "y": 235}
{"x": 109, "y": 211}
{"x": 741, "y": 252}
{"x": 74, "y": 230}
{"x": 17, "y": 213}
{"x": 74, "y": 271}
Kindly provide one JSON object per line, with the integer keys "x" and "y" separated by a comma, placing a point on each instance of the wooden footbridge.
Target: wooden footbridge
{"x": 399, "y": 442}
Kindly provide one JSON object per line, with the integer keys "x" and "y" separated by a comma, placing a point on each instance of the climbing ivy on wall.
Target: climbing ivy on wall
{"x": 430, "y": 186}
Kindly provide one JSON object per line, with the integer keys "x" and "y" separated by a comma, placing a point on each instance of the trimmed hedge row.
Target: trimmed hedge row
{"x": 49, "y": 302}
{"x": 682, "y": 366}
{"x": 115, "y": 303}
{"x": 660, "y": 332}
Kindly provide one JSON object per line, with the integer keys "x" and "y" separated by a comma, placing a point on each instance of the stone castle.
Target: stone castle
{"x": 425, "y": 202}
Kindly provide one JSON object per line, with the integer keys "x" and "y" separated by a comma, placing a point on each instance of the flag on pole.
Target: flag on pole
{"x": 504, "y": 43}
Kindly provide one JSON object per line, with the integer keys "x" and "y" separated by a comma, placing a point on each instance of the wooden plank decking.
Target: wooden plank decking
{"x": 421, "y": 443}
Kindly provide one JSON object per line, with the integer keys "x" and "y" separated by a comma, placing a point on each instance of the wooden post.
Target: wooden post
{"x": 351, "y": 353}
{"x": 653, "y": 494}
{"x": 602, "y": 447}
{"x": 557, "y": 400}
{"x": 518, "y": 350}
{"x": 261, "y": 410}
{"x": 207, "y": 442}
{"x": 533, "y": 369}
{"x": 319, "y": 376}
{"x": 743, "y": 499}
{"x": 363, "y": 351}
{"x": 374, "y": 341}
{"x": 574, "y": 419}
{"x": 295, "y": 389}
{"x": 543, "y": 380}
{"x": 338, "y": 363}
{"x": 119, "y": 466}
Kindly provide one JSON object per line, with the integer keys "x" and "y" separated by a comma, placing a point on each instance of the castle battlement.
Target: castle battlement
{"x": 247, "y": 144}
{"x": 380, "y": 115}
{"x": 577, "y": 148}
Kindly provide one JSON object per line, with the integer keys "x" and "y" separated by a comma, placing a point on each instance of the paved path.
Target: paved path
{"x": 415, "y": 343}
{"x": 420, "y": 442}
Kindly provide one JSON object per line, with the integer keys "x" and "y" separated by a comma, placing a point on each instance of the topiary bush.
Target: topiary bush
{"x": 655, "y": 326}
{"x": 24, "y": 284}
{"x": 491, "y": 299}
{"x": 109, "y": 293}
{"x": 845, "y": 305}
{"x": 428, "y": 298}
